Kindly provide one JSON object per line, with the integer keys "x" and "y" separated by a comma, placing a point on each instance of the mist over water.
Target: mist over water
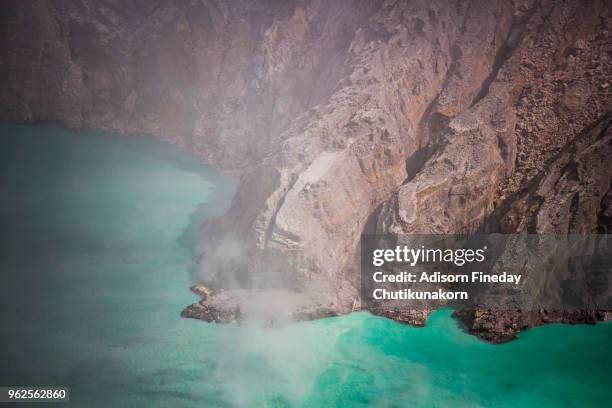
{"x": 97, "y": 235}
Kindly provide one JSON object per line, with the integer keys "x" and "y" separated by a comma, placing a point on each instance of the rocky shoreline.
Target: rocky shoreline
{"x": 340, "y": 118}
{"x": 238, "y": 306}
{"x": 493, "y": 326}
{"x": 503, "y": 326}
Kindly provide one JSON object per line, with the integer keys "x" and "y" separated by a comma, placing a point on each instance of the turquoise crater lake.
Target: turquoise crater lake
{"x": 97, "y": 236}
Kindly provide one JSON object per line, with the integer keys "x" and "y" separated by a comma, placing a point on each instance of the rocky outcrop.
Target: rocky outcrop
{"x": 570, "y": 195}
{"x": 539, "y": 92}
{"x": 339, "y": 118}
{"x": 262, "y": 306}
{"x": 474, "y": 170}
{"x": 340, "y": 160}
{"x": 499, "y": 326}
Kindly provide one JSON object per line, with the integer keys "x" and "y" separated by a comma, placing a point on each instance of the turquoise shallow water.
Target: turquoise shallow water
{"x": 95, "y": 250}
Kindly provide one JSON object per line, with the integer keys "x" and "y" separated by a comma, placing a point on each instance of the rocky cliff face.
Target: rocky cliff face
{"x": 224, "y": 78}
{"x": 340, "y": 117}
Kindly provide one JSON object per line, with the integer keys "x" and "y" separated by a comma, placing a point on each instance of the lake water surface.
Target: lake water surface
{"x": 96, "y": 240}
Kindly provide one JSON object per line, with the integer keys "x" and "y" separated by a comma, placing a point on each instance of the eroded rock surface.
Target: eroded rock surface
{"x": 224, "y": 78}
{"x": 340, "y": 118}
{"x": 341, "y": 160}
{"x": 499, "y": 326}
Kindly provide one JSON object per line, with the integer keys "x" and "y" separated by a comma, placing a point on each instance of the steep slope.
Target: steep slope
{"x": 224, "y": 78}
{"x": 339, "y": 118}
{"x": 341, "y": 159}
{"x": 531, "y": 155}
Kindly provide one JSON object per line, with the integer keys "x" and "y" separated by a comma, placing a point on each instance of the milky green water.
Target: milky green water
{"x": 95, "y": 246}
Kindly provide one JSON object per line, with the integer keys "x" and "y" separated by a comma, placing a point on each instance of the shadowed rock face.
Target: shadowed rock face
{"x": 225, "y": 78}
{"x": 340, "y": 117}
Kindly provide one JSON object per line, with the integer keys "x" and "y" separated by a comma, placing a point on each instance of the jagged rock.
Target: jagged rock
{"x": 201, "y": 290}
{"x": 570, "y": 195}
{"x": 339, "y": 117}
{"x": 221, "y": 308}
{"x": 305, "y": 229}
{"x": 460, "y": 186}
{"x": 269, "y": 307}
{"x": 501, "y": 326}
